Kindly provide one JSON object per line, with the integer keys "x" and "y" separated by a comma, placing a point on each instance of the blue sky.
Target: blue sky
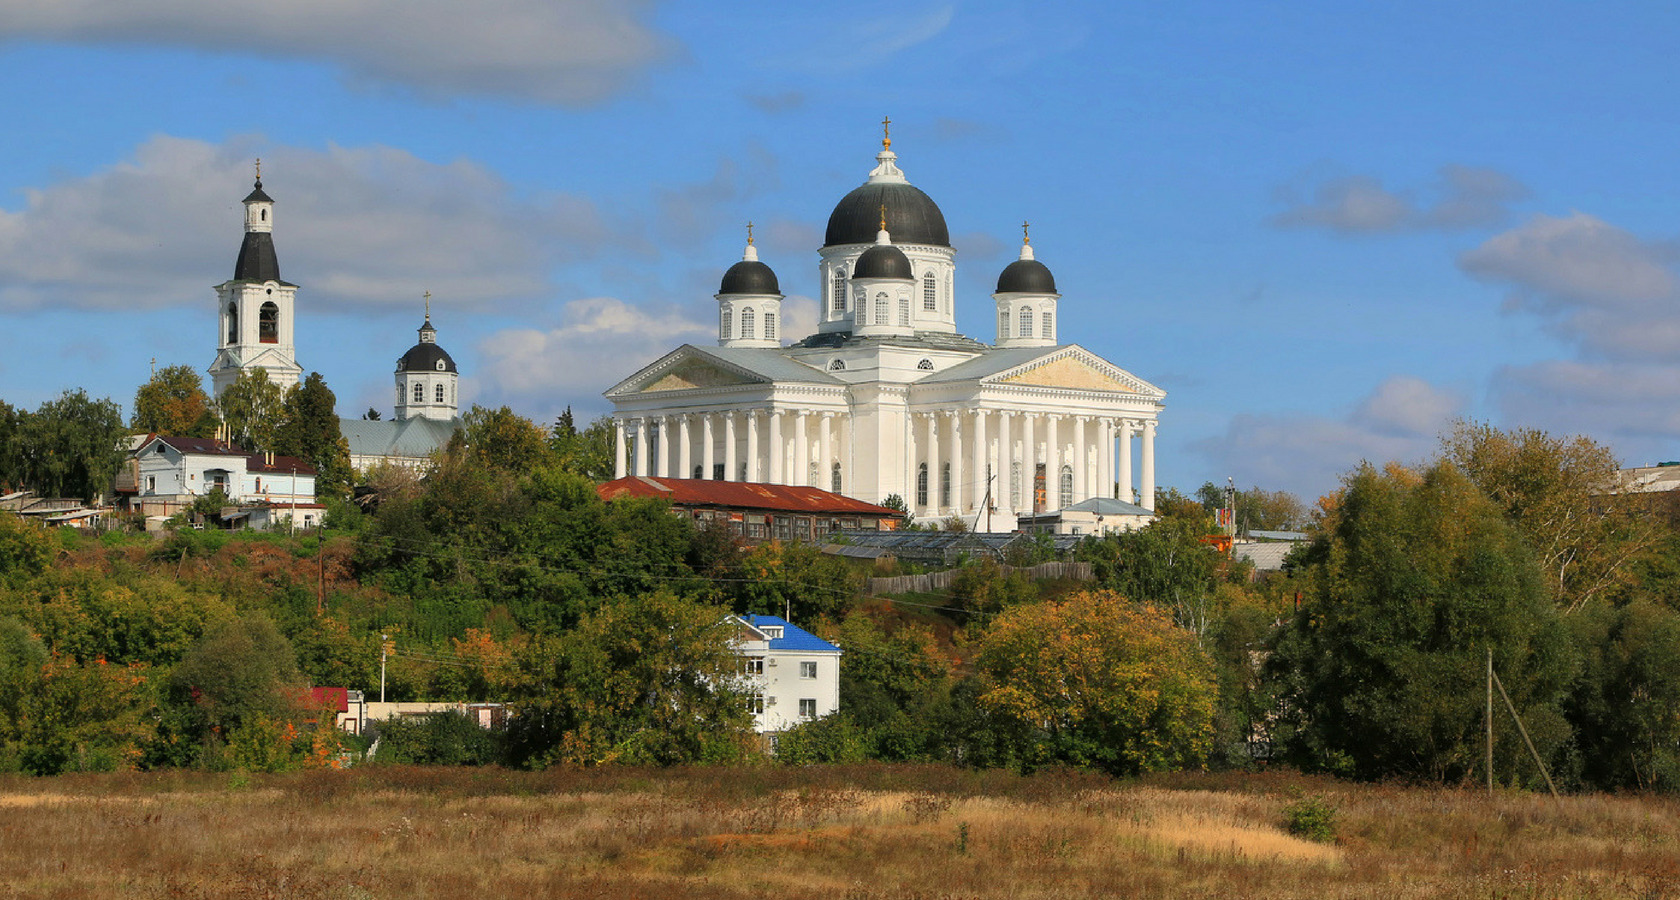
{"x": 1325, "y": 229}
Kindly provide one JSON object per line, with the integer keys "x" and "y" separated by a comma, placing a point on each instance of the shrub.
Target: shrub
{"x": 1312, "y": 818}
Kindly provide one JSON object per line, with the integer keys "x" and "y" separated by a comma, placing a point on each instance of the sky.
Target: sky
{"x": 1326, "y": 230}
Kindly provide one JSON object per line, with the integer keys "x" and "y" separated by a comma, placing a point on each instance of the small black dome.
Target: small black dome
{"x": 258, "y": 195}
{"x": 912, "y": 216}
{"x": 424, "y": 357}
{"x": 883, "y": 261}
{"x": 749, "y": 276}
{"x": 1026, "y": 276}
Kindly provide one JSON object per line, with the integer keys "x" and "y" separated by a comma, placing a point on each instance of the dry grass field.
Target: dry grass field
{"x": 895, "y": 833}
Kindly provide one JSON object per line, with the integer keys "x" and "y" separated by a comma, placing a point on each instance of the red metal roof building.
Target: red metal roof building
{"x": 758, "y": 511}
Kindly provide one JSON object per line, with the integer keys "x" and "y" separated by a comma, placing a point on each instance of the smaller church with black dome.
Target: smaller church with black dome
{"x": 887, "y": 397}
{"x": 256, "y": 311}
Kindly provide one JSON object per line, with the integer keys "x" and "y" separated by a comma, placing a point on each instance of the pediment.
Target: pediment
{"x": 685, "y": 369}
{"x": 1075, "y": 368}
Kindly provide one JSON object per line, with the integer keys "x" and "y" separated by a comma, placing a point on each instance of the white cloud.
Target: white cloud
{"x": 598, "y": 337}
{"x": 1460, "y": 197}
{"x": 1307, "y": 455}
{"x": 573, "y": 52}
{"x": 364, "y": 226}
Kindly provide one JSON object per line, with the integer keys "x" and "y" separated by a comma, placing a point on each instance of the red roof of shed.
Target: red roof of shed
{"x": 741, "y": 495}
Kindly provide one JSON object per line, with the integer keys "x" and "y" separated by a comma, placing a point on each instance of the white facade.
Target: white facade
{"x": 870, "y": 407}
{"x": 790, "y": 675}
{"x": 173, "y": 472}
{"x": 255, "y": 308}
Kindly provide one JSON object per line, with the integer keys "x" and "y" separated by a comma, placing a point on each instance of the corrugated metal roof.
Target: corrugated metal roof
{"x": 414, "y": 438}
{"x": 202, "y": 446}
{"x": 740, "y": 495}
{"x": 793, "y": 637}
{"x": 1108, "y": 506}
{"x": 1267, "y": 556}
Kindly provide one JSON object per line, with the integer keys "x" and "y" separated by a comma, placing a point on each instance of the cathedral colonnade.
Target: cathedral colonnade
{"x": 1027, "y": 461}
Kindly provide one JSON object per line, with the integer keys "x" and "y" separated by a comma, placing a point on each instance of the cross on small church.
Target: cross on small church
{"x": 1025, "y": 238}
{"x": 886, "y": 133}
{"x": 749, "y": 234}
{"x": 259, "y": 168}
{"x": 428, "y": 296}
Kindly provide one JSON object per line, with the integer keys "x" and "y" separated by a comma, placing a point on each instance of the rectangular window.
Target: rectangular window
{"x": 755, "y": 704}
{"x": 808, "y": 669}
{"x": 753, "y": 665}
{"x": 808, "y": 708}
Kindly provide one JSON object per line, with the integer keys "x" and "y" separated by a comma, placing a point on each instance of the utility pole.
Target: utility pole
{"x": 384, "y": 647}
{"x": 1490, "y": 720}
{"x": 292, "y": 521}
{"x": 321, "y": 554}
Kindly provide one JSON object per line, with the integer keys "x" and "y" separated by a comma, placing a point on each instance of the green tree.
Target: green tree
{"x": 1557, "y": 491}
{"x": 651, "y": 679}
{"x": 794, "y": 578}
{"x": 25, "y": 549}
{"x": 173, "y": 403}
{"x": 70, "y": 447}
{"x": 1412, "y": 579}
{"x": 588, "y": 452}
{"x": 1096, "y": 680}
{"x": 308, "y": 429}
{"x": 1165, "y": 564}
{"x": 1626, "y": 703}
{"x": 502, "y": 439}
{"x": 242, "y": 673}
{"x": 11, "y": 452}
{"x": 252, "y": 407}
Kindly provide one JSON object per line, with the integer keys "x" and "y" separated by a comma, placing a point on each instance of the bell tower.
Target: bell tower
{"x": 255, "y": 307}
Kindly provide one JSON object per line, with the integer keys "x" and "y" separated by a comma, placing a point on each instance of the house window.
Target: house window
{"x": 440, "y": 393}
{"x": 838, "y": 365}
{"x": 723, "y": 327}
{"x": 699, "y": 472}
{"x": 755, "y": 704}
{"x": 769, "y": 326}
{"x": 834, "y": 479}
{"x": 807, "y": 707}
{"x": 921, "y": 485}
{"x": 1066, "y": 486}
{"x": 882, "y": 310}
{"x": 945, "y": 482}
{"x": 268, "y": 323}
{"x": 808, "y": 669}
{"x": 151, "y": 484}
{"x": 930, "y": 293}
{"x": 1047, "y": 328}
{"x": 752, "y": 665}
{"x": 1015, "y": 484}
{"x": 419, "y": 392}
{"x": 749, "y": 328}
{"x": 743, "y": 475}
{"x": 1026, "y": 321}
{"x": 717, "y": 471}
{"x": 904, "y": 311}
{"x": 233, "y": 324}
{"x": 1003, "y": 325}
{"x": 839, "y": 292}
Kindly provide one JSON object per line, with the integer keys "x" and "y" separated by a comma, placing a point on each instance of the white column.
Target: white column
{"x": 981, "y": 449}
{"x": 848, "y": 485}
{"x": 1005, "y": 457}
{"x": 1052, "y": 463}
{"x": 1081, "y": 458}
{"x": 825, "y": 466}
{"x": 778, "y": 451}
{"x": 729, "y": 454}
{"x": 1126, "y": 461}
{"x": 752, "y": 446}
{"x": 708, "y": 453}
{"x": 620, "y": 452}
{"x": 641, "y": 447}
{"x": 685, "y": 449}
{"x": 957, "y": 492}
{"x": 1029, "y": 464}
{"x": 935, "y": 499}
{"x": 1105, "y": 458}
{"x": 801, "y": 450}
{"x": 1149, "y": 465}
{"x": 661, "y": 462}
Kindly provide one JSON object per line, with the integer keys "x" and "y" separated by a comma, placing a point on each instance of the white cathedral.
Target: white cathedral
{"x": 887, "y": 397}
{"x": 256, "y": 312}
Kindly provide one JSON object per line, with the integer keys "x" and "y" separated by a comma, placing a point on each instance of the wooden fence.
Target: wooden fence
{"x": 938, "y": 581}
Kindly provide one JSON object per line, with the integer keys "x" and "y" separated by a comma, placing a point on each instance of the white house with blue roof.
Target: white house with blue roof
{"x": 791, "y": 675}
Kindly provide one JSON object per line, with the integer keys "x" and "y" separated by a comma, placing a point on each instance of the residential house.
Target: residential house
{"x": 168, "y": 474}
{"x": 791, "y": 675}
{"x": 1097, "y": 515}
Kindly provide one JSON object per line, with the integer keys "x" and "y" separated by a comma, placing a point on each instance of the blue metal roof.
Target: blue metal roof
{"x": 793, "y": 637}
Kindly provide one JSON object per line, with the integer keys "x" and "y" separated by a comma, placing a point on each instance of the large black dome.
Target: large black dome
{"x": 912, "y": 216}
{"x": 424, "y": 357}
{"x": 1026, "y": 276}
{"x": 883, "y": 261}
{"x": 749, "y": 276}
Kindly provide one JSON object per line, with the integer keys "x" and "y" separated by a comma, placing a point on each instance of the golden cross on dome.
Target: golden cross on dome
{"x": 259, "y": 168}
{"x": 749, "y": 234}
{"x": 1025, "y": 238}
{"x": 428, "y": 296}
{"x": 886, "y": 133}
